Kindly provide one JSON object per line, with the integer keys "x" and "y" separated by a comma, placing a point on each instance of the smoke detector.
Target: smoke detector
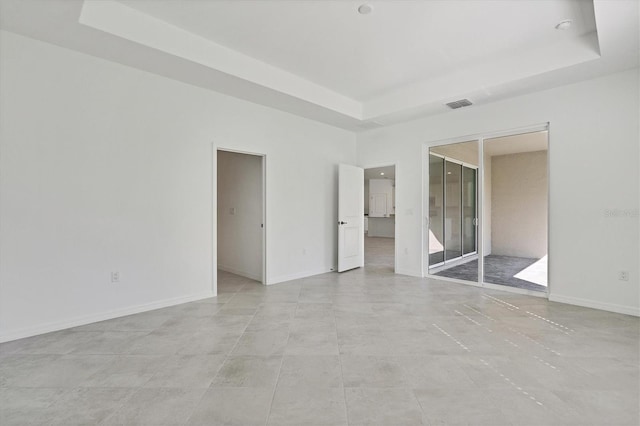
{"x": 365, "y": 9}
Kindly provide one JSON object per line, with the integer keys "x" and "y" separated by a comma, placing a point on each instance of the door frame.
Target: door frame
{"x": 395, "y": 227}
{"x": 480, "y": 138}
{"x": 214, "y": 212}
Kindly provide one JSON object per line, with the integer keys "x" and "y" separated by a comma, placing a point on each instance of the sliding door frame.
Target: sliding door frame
{"x": 480, "y": 183}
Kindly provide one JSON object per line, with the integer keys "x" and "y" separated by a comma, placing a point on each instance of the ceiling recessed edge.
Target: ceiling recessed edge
{"x": 119, "y": 20}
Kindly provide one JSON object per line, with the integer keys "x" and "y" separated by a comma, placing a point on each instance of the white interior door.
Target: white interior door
{"x": 350, "y": 217}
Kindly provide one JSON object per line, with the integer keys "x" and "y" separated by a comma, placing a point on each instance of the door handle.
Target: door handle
{"x": 342, "y": 223}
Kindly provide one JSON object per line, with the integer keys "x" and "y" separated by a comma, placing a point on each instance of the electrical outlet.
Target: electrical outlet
{"x": 115, "y": 277}
{"x": 623, "y": 275}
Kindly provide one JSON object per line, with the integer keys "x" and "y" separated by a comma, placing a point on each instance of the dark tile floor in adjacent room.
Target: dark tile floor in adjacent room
{"x": 497, "y": 270}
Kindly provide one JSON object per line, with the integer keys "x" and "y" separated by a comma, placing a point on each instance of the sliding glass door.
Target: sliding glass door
{"x": 508, "y": 176}
{"x": 453, "y": 211}
{"x": 453, "y": 205}
{"x": 469, "y": 210}
{"x": 436, "y": 209}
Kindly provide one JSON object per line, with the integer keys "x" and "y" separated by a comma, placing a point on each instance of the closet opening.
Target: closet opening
{"x": 240, "y": 220}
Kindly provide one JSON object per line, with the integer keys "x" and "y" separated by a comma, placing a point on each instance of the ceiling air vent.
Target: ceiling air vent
{"x": 459, "y": 104}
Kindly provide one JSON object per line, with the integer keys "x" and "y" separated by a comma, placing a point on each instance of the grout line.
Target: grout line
{"x": 226, "y": 357}
{"x": 512, "y": 343}
{"x": 275, "y": 386}
{"x": 534, "y": 341}
{"x": 480, "y": 313}
{"x": 513, "y": 384}
{"x": 514, "y": 307}
{"x": 452, "y": 338}
{"x": 344, "y": 388}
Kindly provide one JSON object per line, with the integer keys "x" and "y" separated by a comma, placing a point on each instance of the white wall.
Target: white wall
{"x": 240, "y": 214}
{"x": 593, "y": 147}
{"x": 519, "y": 201}
{"x": 108, "y": 168}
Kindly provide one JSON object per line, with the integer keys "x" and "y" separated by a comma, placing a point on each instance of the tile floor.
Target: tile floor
{"x": 379, "y": 254}
{"x": 361, "y": 347}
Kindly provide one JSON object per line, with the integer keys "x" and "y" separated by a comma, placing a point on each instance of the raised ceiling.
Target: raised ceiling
{"x": 325, "y": 61}
{"x": 367, "y": 56}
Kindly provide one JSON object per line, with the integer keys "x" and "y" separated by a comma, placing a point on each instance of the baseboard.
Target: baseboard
{"x": 239, "y": 272}
{"x": 299, "y": 275}
{"x": 408, "y": 272}
{"x": 587, "y": 303}
{"x": 116, "y": 313}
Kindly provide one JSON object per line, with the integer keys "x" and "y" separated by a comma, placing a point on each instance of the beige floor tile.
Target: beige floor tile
{"x": 318, "y": 371}
{"x": 374, "y": 372}
{"x": 369, "y": 406}
{"x": 187, "y": 371}
{"x": 156, "y": 407}
{"x": 248, "y": 371}
{"x": 265, "y": 343}
{"x": 232, "y": 407}
{"x": 303, "y": 405}
{"x": 387, "y": 349}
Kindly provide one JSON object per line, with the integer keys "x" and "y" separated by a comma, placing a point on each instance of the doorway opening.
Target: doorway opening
{"x": 240, "y": 219}
{"x": 488, "y": 211}
{"x": 380, "y": 217}
{"x": 516, "y": 250}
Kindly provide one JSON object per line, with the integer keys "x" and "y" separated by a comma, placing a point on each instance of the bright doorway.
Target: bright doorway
{"x": 380, "y": 217}
{"x": 240, "y": 215}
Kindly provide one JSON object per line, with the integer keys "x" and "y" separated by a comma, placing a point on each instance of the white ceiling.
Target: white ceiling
{"x": 374, "y": 173}
{"x": 366, "y": 56}
{"x": 323, "y": 60}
